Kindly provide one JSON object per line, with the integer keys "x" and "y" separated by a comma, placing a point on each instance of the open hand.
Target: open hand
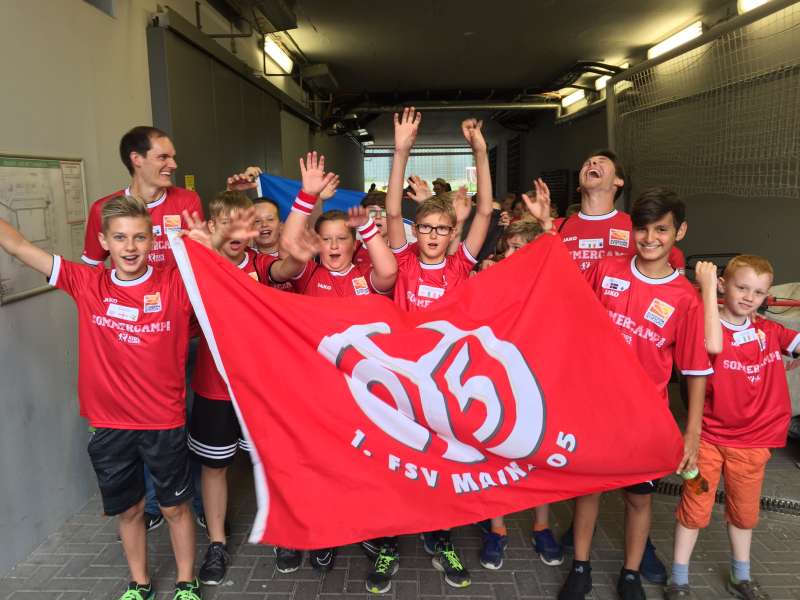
{"x": 539, "y": 204}
{"x": 357, "y": 216}
{"x": 329, "y": 190}
{"x": 419, "y": 189}
{"x": 406, "y": 127}
{"x": 313, "y": 174}
{"x": 302, "y": 248}
{"x": 471, "y": 128}
{"x": 462, "y": 204}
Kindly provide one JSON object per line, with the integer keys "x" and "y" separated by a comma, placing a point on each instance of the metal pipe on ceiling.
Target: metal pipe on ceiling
{"x": 450, "y": 106}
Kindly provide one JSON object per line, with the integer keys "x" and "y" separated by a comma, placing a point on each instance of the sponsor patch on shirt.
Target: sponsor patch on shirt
{"x": 360, "y": 286}
{"x": 742, "y": 337}
{"x": 428, "y": 291}
{"x": 172, "y": 223}
{"x": 152, "y": 303}
{"x": 619, "y": 237}
{"x": 616, "y": 284}
{"x": 570, "y": 238}
{"x": 591, "y": 244}
{"x": 156, "y": 229}
{"x": 127, "y": 313}
{"x": 659, "y": 312}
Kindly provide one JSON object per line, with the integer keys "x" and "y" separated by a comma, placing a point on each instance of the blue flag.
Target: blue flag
{"x": 284, "y": 191}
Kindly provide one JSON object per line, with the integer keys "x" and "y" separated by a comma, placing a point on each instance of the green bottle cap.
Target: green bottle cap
{"x": 687, "y": 475}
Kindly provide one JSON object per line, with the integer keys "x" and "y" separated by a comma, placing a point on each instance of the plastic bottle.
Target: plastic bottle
{"x": 694, "y": 481}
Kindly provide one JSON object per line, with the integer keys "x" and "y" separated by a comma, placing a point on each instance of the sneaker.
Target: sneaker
{"x": 492, "y": 550}
{"x": 448, "y": 562}
{"x": 287, "y": 560}
{"x": 430, "y": 540}
{"x": 371, "y": 548}
{"x": 137, "y": 591}
{"x": 322, "y": 560}
{"x": 677, "y": 592}
{"x": 212, "y": 571}
{"x": 387, "y": 563}
{"x": 153, "y": 521}
{"x": 568, "y": 540}
{"x": 187, "y": 590}
{"x": 629, "y": 586}
{"x": 651, "y": 568}
{"x": 577, "y": 584}
{"x": 747, "y": 589}
{"x": 548, "y": 549}
{"x": 201, "y": 520}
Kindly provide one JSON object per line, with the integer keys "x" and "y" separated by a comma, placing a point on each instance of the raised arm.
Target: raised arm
{"x": 463, "y": 207}
{"x": 471, "y": 128}
{"x": 294, "y": 238}
{"x": 384, "y": 264}
{"x": 706, "y": 275}
{"x": 405, "y": 132}
{"x": 13, "y": 242}
{"x": 539, "y": 205}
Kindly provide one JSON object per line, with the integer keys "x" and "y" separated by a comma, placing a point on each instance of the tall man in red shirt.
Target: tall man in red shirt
{"x": 149, "y": 156}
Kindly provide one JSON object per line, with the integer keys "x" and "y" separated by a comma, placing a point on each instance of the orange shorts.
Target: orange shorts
{"x": 743, "y": 472}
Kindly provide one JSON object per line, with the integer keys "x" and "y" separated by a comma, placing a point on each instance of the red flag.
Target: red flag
{"x": 511, "y": 391}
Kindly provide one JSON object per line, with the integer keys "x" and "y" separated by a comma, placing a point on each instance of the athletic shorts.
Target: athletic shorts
{"x": 214, "y": 432}
{"x": 643, "y": 489}
{"x": 743, "y": 472}
{"x": 119, "y": 455}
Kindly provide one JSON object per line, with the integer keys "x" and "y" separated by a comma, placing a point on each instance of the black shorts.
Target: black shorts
{"x": 643, "y": 489}
{"x": 119, "y": 455}
{"x": 214, "y": 432}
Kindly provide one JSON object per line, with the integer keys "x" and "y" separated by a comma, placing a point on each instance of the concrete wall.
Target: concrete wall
{"x": 69, "y": 91}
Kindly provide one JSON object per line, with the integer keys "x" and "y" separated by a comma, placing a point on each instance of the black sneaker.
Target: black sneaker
{"x": 287, "y": 560}
{"x": 387, "y": 563}
{"x": 322, "y": 560}
{"x": 448, "y": 562}
{"x": 187, "y": 590}
{"x": 137, "y": 591}
{"x": 212, "y": 571}
{"x": 153, "y": 521}
{"x": 747, "y": 589}
{"x": 629, "y": 586}
{"x": 578, "y": 583}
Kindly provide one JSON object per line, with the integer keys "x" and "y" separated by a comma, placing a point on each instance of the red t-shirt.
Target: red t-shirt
{"x": 286, "y": 286}
{"x": 661, "y": 319}
{"x": 419, "y": 285}
{"x": 747, "y": 398}
{"x": 361, "y": 255}
{"x": 316, "y": 280}
{"x": 590, "y": 238}
{"x": 206, "y": 380}
{"x": 132, "y": 343}
{"x": 166, "y": 213}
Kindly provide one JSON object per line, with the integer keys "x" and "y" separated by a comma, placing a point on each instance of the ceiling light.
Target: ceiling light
{"x": 361, "y": 132}
{"x": 367, "y": 142}
{"x": 277, "y": 54}
{"x": 745, "y": 5}
{"x": 573, "y": 98}
{"x": 684, "y": 35}
{"x": 600, "y": 82}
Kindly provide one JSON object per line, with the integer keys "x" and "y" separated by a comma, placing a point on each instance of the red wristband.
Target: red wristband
{"x": 304, "y": 203}
{"x": 368, "y": 230}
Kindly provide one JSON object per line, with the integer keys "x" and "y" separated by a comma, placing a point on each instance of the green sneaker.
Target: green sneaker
{"x": 137, "y": 591}
{"x": 187, "y": 590}
{"x": 448, "y": 562}
{"x": 387, "y": 563}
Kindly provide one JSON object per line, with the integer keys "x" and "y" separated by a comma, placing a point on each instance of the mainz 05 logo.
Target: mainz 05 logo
{"x": 374, "y": 367}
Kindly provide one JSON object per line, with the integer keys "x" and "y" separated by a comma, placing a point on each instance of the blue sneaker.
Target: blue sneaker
{"x": 492, "y": 550}
{"x": 548, "y": 549}
{"x": 652, "y": 568}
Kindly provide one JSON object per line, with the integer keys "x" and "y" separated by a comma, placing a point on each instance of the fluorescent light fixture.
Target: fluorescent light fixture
{"x": 277, "y": 54}
{"x": 684, "y": 35}
{"x": 573, "y": 98}
{"x": 746, "y": 5}
{"x": 600, "y": 82}
{"x": 361, "y": 132}
{"x": 367, "y": 142}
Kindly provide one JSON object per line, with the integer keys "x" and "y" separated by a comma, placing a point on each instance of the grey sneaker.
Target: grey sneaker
{"x": 746, "y": 590}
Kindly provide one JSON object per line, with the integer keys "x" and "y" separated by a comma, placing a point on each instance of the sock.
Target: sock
{"x": 503, "y": 530}
{"x": 740, "y": 570}
{"x": 540, "y": 527}
{"x": 680, "y": 574}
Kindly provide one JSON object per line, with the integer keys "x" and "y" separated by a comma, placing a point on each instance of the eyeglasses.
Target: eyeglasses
{"x": 440, "y": 229}
{"x": 377, "y": 214}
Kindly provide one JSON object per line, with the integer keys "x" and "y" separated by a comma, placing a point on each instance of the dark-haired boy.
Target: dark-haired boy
{"x": 132, "y": 339}
{"x": 660, "y": 315}
{"x": 149, "y": 156}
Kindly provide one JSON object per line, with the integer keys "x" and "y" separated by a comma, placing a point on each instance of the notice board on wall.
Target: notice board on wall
{"x": 45, "y": 199}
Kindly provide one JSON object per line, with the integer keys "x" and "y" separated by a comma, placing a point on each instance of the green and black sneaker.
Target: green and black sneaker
{"x": 187, "y": 590}
{"x": 448, "y": 562}
{"x": 386, "y": 565}
{"x": 137, "y": 591}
